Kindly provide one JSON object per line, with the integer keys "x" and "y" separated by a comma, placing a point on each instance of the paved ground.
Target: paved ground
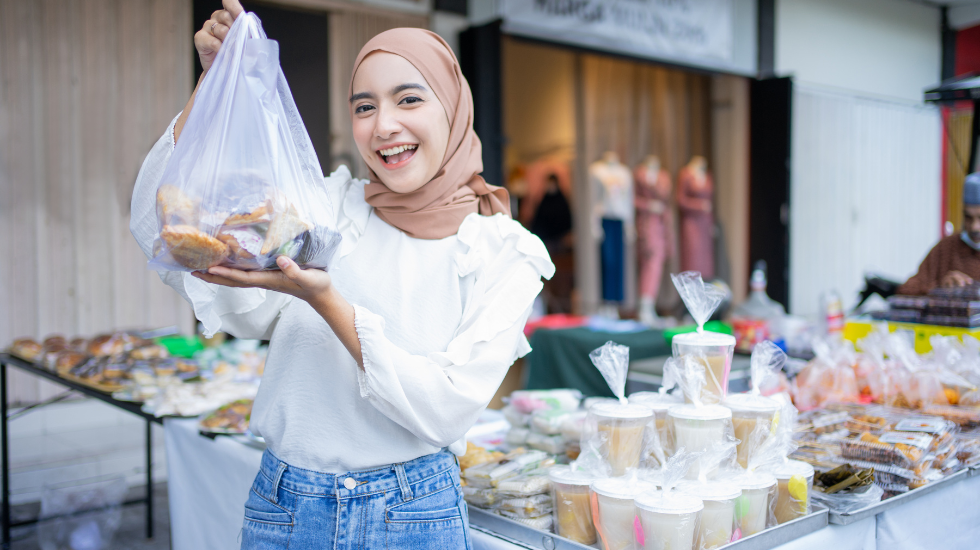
{"x": 131, "y": 534}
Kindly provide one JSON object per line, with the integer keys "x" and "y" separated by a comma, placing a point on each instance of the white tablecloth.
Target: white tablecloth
{"x": 208, "y": 482}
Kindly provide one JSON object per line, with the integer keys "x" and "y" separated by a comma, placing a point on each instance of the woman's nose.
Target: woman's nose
{"x": 386, "y": 124}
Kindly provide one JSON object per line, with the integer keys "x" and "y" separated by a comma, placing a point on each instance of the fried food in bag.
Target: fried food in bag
{"x": 243, "y": 185}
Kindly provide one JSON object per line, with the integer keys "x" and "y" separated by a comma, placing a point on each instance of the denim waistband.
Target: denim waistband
{"x": 365, "y": 482}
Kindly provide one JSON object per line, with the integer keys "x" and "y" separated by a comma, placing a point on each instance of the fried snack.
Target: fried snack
{"x": 26, "y": 348}
{"x": 193, "y": 248}
{"x": 67, "y": 360}
{"x": 78, "y": 344}
{"x": 54, "y": 343}
{"x": 106, "y": 345}
{"x": 152, "y": 351}
{"x": 174, "y": 206}
{"x": 285, "y": 227}
{"x": 242, "y": 244}
{"x": 477, "y": 455}
{"x": 260, "y": 215}
{"x": 231, "y": 418}
{"x": 965, "y": 417}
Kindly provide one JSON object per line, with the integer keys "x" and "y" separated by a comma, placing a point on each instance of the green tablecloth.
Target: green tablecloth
{"x": 561, "y": 357}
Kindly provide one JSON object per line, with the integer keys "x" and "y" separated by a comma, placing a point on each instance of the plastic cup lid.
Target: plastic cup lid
{"x": 567, "y": 476}
{"x": 655, "y": 400}
{"x": 621, "y": 410}
{"x": 750, "y": 402}
{"x": 670, "y": 503}
{"x": 712, "y": 491}
{"x": 755, "y": 481}
{"x": 706, "y": 338}
{"x": 690, "y": 411}
{"x": 792, "y": 468}
{"x": 622, "y": 487}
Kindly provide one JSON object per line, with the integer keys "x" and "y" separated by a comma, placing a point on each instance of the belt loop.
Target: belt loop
{"x": 275, "y": 483}
{"x": 403, "y": 481}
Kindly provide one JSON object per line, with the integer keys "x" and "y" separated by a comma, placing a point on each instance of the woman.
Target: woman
{"x": 378, "y": 367}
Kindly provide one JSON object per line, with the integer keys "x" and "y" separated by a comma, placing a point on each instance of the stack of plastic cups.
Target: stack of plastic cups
{"x": 659, "y": 403}
{"x": 572, "y": 505}
{"x": 748, "y": 412}
{"x": 613, "y": 510}
{"x": 667, "y": 520}
{"x": 718, "y": 350}
{"x": 697, "y": 429}
{"x": 718, "y": 520}
{"x": 795, "y": 483}
{"x": 758, "y": 498}
{"x": 619, "y": 428}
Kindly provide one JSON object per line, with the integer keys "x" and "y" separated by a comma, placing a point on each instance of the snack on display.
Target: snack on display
{"x": 754, "y": 416}
{"x": 535, "y": 482}
{"x": 714, "y": 350}
{"x": 668, "y": 518}
{"x": 719, "y": 521}
{"x": 525, "y": 507}
{"x": 529, "y": 401}
{"x": 480, "y": 497}
{"x": 572, "y": 507}
{"x": 489, "y": 474}
{"x": 551, "y": 444}
{"x": 613, "y": 511}
{"x": 846, "y": 488}
{"x": 794, "y": 480}
{"x": 476, "y": 455}
{"x": 756, "y": 508}
{"x": 26, "y": 349}
{"x": 829, "y": 378}
{"x": 228, "y": 419}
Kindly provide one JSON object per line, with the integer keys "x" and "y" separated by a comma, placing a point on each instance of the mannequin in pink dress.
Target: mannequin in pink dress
{"x": 694, "y": 192}
{"x": 654, "y": 242}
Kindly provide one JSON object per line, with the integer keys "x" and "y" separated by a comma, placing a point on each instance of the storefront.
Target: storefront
{"x": 570, "y": 98}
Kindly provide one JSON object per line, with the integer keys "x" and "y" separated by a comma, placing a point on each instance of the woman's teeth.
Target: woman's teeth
{"x": 394, "y": 155}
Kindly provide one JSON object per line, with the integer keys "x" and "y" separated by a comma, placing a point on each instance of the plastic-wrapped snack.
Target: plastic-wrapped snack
{"x": 66, "y": 360}
{"x": 821, "y": 421}
{"x": 528, "y": 401}
{"x": 517, "y": 437}
{"x": 480, "y": 497}
{"x": 516, "y": 418}
{"x": 714, "y": 350}
{"x": 229, "y": 419}
{"x": 968, "y": 449}
{"x": 491, "y": 473}
{"x": 526, "y": 507}
{"x": 829, "y": 378}
{"x": 794, "y": 481}
{"x": 900, "y": 449}
{"x": 846, "y": 488}
{"x": 549, "y": 422}
{"x": 477, "y": 455}
{"x": 26, "y": 348}
{"x": 572, "y": 425}
{"x": 964, "y": 417}
{"x": 106, "y": 345}
{"x": 551, "y": 444}
{"x": 535, "y": 482}
{"x": 572, "y": 509}
{"x": 149, "y": 352}
{"x": 613, "y": 511}
{"x": 541, "y": 523}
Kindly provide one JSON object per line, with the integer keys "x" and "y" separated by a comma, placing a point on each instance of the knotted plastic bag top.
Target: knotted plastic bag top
{"x": 767, "y": 360}
{"x": 701, "y": 299}
{"x": 613, "y": 361}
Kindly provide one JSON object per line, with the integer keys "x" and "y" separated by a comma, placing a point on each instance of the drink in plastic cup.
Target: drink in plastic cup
{"x": 613, "y": 512}
{"x": 572, "y": 506}
{"x": 697, "y": 429}
{"x": 718, "y": 516}
{"x": 659, "y": 403}
{"x": 794, "y": 480}
{"x": 749, "y": 411}
{"x": 758, "y": 492}
{"x": 668, "y": 521}
{"x": 718, "y": 350}
{"x": 620, "y": 428}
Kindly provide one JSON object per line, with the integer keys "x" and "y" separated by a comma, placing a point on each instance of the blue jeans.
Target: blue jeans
{"x": 417, "y": 504}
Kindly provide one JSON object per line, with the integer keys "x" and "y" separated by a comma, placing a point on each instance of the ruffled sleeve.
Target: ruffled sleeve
{"x": 241, "y": 312}
{"x": 438, "y": 396}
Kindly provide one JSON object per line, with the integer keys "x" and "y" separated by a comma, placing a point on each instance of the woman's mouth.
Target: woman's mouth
{"x": 397, "y": 156}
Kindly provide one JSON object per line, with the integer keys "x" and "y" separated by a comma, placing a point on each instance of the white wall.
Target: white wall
{"x": 865, "y": 192}
{"x": 882, "y": 47}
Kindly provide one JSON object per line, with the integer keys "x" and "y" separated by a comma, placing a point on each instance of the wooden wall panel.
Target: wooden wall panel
{"x": 87, "y": 87}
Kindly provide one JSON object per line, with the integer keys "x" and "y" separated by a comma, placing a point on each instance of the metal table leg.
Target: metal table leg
{"x": 5, "y": 451}
{"x": 149, "y": 479}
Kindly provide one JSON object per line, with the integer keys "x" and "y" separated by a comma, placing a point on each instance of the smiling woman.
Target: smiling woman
{"x": 378, "y": 368}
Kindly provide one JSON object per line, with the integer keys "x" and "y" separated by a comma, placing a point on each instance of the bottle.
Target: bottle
{"x": 757, "y": 318}
{"x": 833, "y": 312}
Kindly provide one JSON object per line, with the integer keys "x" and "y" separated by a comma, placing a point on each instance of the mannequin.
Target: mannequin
{"x": 654, "y": 242}
{"x": 613, "y": 225}
{"x": 694, "y": 192}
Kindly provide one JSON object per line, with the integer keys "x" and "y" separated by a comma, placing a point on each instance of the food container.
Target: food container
{"x": 758, "y": 496}
{"x": 572, "y": 506}
{"x": 696, "y": 429}
{"x": 749, "y": 412}
{"x": 718, "y": 516}
{"x": 668, "y": 520}
{"x": 491, "y": 473}
{"x": 619, "y": 429}
{"x": 613, "y": 510}
{"x": 794, "y": 480}
{"x": 718, "y": 350}
{"x": 659, "y": 403}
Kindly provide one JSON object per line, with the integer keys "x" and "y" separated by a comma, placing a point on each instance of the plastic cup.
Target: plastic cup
{"x": 614, "y": 512}
{"x": 718, "y": 517}
{"x": 749, "y": 411}
{"x": 697, "y": 429}
{"x": 794, "y": 480}
{"x": 718, "y": 350}
{"x": 758, "y": 490}
{"x": 659, "y": 403}
{"x": 572, "y": 506}
{"x": 668, "y": 521}
{"x": 620, "y": 429}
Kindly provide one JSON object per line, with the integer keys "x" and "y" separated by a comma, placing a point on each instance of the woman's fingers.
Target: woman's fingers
{"x": 290, "y": 269}
{"x": 223, "y": 17}
{"x": 234, "y": 7}
{"x": 206, "y": 43}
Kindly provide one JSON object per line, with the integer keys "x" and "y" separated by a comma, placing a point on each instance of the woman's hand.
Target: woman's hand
{"x": 305, "y": 284}
{"x": 208, "y": 40}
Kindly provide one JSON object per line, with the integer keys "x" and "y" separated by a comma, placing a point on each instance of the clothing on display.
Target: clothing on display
{"x": 553, "y": 217}
{"x": 694, "y": 193}
{"x": 654, "y": 221}
{"x": 613, "y": 182}
{"x": 613, "y": 260}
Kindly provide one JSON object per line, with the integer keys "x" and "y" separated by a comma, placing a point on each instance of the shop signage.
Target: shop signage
{"x": 673, "y": 29}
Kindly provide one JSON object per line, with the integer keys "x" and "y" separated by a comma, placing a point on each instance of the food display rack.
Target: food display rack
{"x": 509, "y": 529}
{"x": 898, "y": 500}
{"x": 7, "y": 360}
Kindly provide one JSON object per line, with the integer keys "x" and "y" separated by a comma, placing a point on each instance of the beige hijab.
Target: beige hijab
{"x": 436, "y": 210}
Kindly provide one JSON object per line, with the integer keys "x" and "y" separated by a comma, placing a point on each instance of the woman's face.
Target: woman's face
{"x": 400, "y": 127}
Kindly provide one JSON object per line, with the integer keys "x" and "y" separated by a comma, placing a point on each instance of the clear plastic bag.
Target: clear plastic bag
{"x": 529, "y": 401}
{"x": 844, "y": 502}
{"x": 535, "y": 482}
{"x": 700, "y": 299}
{"x": 243, "y": 185}
{"x": 613, "y": 361}
{"x": 829, "y": 378}
{"x": 754, "y": 416}
{"x": 83, "y": 516}
{"x": 491, "y": 473}
{"x": 526, "y": 507}
{"x": 668, "y": 518}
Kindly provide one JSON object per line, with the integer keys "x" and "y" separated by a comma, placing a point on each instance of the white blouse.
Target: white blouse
{"x": 440, "y": 322}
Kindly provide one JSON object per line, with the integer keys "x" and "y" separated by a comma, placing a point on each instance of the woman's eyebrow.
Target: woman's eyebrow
{"x": 361, "y": 95}
{"x": 407, "y": 86}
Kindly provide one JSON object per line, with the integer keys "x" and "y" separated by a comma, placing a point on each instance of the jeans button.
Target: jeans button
{"x": 350, "y": 483}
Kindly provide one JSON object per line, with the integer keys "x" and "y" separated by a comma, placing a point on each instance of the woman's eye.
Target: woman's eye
{"x": 363, "y": 109}
{"x": 410, "y": 100}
